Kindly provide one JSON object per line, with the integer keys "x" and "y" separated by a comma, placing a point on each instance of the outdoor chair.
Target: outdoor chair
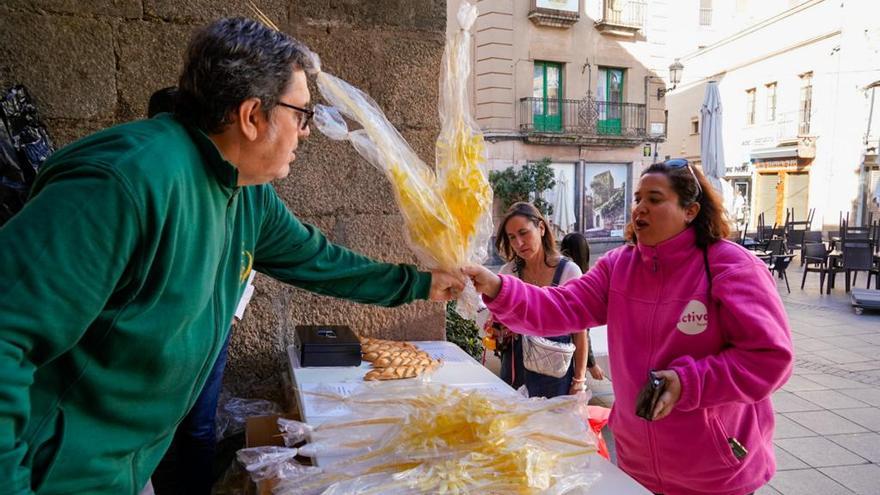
{"x": 779, "y": 265}
{"x": 832, "y": 234}
{"x": 876, "y": 238}
{"x": 812, "y": 236}
{"x": 744, "y": 238}
{"x": 794, "y": 240}
{"x": 773, "y": 247}
{"x": 809, "y": 237}
{"x": 750, "y": 241}
{"x": 857, "y": 232}
{"x": 795, "y": 230}
{"x": 858, "y": 256}
{"x": 764, "y": 232}
{"x": 815, "y": 260}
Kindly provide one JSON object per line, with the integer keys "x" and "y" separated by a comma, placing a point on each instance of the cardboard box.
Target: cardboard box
{"x": 261, "y": 431}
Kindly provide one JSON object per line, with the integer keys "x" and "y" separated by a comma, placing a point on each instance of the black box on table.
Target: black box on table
{"x": 327, "y": 345}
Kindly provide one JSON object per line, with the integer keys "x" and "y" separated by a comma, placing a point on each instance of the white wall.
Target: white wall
{"x": 839, "y": 44}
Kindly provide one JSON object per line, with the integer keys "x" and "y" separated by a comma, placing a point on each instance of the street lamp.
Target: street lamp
{"x": 674, "y": 77}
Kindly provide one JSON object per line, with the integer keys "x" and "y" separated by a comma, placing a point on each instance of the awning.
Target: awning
{"x": 774, "y": 153}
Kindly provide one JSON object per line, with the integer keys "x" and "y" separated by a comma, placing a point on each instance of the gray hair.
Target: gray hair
{"x": 230, "y": 61}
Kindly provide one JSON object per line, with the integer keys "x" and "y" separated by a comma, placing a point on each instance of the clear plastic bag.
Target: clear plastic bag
{"x": 265, "y": 462}
{"x": 294, "y": 431}
{"x": 232, "y": 413}
{"x": 461, "y": 155}
{"x": 447, "y": 211}
{"x": 429, "y": 438}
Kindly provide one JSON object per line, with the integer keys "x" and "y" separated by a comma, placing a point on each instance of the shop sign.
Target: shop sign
{"x": 780, "y": 165}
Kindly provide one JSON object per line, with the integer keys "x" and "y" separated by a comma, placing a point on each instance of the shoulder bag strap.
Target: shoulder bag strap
{"x": 560, "y": 268}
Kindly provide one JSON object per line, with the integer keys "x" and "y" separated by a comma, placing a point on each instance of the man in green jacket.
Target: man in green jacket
{"x": 119, "y": 278}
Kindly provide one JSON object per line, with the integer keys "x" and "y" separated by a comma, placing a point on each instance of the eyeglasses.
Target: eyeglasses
{"x": 677, "y": 163}
{"x": 305, "y": 111}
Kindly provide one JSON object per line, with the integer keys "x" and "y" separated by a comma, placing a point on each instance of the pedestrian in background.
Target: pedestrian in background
{"x": 525, "y": 240}
{"x": 575, "y": 247}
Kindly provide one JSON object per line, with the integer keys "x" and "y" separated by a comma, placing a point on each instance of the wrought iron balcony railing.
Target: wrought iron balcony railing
{"x": 621, "y": 16}
{"x": 587, "y": 118}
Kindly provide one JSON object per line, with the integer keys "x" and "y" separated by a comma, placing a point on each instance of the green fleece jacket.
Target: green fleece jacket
{"x": 118, "y": 282}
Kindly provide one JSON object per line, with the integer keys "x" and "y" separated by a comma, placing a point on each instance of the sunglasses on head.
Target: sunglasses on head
{"x": 677, "y": 163}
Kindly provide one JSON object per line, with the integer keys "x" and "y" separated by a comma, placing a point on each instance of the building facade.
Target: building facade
{"x": 799, "y": 130}
{"x": 575, "y": 81}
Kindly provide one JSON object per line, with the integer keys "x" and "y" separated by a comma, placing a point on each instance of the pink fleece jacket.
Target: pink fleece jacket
{"x": 730, "y": 350}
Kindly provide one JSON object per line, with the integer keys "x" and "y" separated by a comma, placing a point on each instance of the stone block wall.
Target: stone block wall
{"x": 93, "y": 64}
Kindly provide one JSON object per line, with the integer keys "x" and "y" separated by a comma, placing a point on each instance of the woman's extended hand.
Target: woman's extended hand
{"x": 484, "y": 280}
{"x": 670, "y": 395}
{"x": 445, "y": 286}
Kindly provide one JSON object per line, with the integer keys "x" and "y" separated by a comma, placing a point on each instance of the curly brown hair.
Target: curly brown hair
{"x": 711, "y": 223}
{"x": 529, "y": 211}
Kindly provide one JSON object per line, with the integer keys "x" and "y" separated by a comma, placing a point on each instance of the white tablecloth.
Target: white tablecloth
{"x": 459, "y": 370}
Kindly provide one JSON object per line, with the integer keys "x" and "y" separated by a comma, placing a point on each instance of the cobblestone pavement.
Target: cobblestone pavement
{"x": 828, "y": 414}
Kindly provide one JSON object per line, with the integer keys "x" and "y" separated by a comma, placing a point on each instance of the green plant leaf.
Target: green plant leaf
{"x": 526, "y": 184}
{"x": 463, "y": 333}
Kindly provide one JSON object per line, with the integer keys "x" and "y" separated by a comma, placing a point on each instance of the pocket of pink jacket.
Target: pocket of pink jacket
{"x": 720, "y": 435}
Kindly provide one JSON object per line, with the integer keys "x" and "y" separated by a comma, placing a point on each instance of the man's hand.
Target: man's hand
{"x": 670, "y": 396}
{"x": 445, "y": 286}
{"x": 484, "y": 280}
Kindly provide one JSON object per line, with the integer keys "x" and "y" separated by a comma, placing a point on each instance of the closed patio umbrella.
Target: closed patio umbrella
{"x": 563, "y": 210}
{"x": 711, "y": 145}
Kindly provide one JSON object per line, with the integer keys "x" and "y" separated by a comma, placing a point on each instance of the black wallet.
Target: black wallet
{"x": 649, "y": 395}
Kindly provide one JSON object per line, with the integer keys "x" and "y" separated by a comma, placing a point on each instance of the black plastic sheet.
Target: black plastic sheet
{"x": 24, "y": 146}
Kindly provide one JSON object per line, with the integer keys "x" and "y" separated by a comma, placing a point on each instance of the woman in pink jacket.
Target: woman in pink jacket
{"x": 701, "y": 311}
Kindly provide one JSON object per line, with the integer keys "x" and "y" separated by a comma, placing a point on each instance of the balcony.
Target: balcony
{"x": 582, "y": 122}
{"x": 622, "y": 17}
{"x": 558, "y": 18}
